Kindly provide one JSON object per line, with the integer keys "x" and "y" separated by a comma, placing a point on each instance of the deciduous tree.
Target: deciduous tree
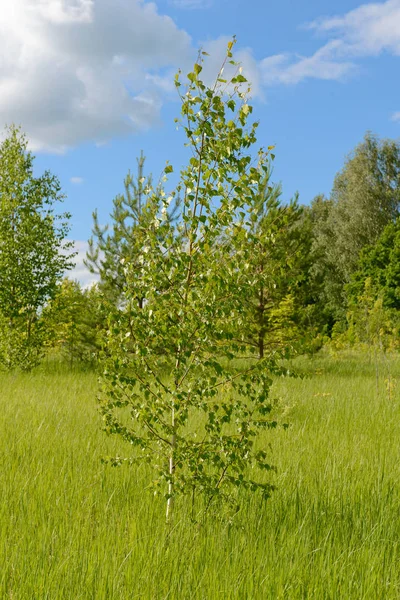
{"x": 194, "y": 411}
{"x": 364, "y": 199}
{"x": 74, "y": 322}
{"x": 34, "y": 252}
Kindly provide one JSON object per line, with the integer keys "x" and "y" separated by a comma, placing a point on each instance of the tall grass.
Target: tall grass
{"x": 73, "y": 528}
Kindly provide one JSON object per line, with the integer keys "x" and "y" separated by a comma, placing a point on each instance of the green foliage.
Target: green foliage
{"x": 371, "y": 322}
{"x": 109, "y": 249}
{"x": 74, "y": 322}
{"x": 381, "y": 264}
{"x": 174, "y": 384}
{"x": 33, "y": 250}
{"x": 365, "y": 198}
{"x": 373, "y": 293}
{"x": 19, "y": 346}
{"x": 323, "y": 273}
{"x": 279, "y": 257}
{"x": 369, "y": 325}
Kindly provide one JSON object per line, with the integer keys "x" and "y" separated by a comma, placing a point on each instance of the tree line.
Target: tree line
{"x": 322, "y": 260}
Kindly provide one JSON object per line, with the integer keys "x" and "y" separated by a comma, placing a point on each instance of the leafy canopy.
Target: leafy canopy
{"x": 33, "y": 250}
{"x": 185, "y": 392}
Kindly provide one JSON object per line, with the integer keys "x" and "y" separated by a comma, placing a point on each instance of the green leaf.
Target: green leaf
{"x": 239, "y": 79}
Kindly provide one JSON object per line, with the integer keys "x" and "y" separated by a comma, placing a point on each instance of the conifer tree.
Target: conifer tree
{"x": 113, "y": 246}
{"x": 281, "y": 248}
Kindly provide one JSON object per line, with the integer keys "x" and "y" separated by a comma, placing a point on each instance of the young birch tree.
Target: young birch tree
{"x": 34, "y": 252}
{"x": 178, "y": 384}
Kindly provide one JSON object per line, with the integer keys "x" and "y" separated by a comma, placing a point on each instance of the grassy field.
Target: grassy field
{"x": 73, "y": 528}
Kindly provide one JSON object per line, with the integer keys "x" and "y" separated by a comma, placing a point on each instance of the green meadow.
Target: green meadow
{"x": 74, "y": 528}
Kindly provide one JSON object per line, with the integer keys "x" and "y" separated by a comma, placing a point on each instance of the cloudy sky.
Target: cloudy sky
{"x": 90, "y": 82}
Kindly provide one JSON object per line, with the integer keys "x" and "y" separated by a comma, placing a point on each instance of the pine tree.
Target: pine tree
{"x": 114, "y": 246}
{"x": 280, "y": 251}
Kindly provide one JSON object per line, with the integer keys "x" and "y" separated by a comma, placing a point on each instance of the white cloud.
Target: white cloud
{"x": 78, "y": 70}
{"x": 76, "y": 180}
{"x": 90, "y": 70}
{"x": 80, "y": 272}
{"x": 366, "y": 31}
{"x": 396, "y": 116}
{"x": 59, "y": 11}
{"x": 289, "y": 69}
{"x": 191, "y": 4}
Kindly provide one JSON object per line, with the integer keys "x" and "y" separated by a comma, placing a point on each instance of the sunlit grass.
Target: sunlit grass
{"x": 71, "y": 527}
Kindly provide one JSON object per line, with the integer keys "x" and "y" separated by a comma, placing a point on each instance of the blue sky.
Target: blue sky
{"x": 90, "y": 83}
